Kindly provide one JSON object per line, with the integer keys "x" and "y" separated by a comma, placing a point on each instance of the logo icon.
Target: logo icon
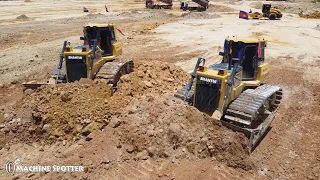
{"x": 11, "y": 167}
{"x": 75, "y": 57}
{"x": 209, "y": 80}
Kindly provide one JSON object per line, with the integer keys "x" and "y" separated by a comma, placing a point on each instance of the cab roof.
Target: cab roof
{"x": 98, "y": 25}
{"x": 235, "y": 39}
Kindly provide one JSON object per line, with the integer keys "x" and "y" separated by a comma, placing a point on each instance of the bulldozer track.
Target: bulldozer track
{"x": 253, "y": 102}
{"x": 111, "y": 72}
{"x": 253, "y": 112}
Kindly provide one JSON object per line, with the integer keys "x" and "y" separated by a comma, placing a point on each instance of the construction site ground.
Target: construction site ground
{"x": 140, "y": 132}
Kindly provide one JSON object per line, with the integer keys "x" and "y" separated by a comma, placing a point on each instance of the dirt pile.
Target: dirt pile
{"x": 145, "y": 14}
{"x": 76, "y": 109}
{"x": 150, "y": 130}
{"x": 146, "y": 28}
{"x": 315, "y": 15}
{"x": 72, "y": 111}
{"x": 68, "y": 111}
{"x": 157, "y": 127}
{"x": 22, "y": 17}
{"x": 219, "y": 8}
{"x": 199, "y": 15}
{"x": 140, "y": 121}
{"x": 152, "y": 77}
{"x": 94, "y": 15}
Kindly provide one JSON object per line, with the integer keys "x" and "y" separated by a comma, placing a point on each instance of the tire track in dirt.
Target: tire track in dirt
{"x": 286, "y": 144}
{"x": 133, "y": 171}
{"x": 205, "y": 169}
{"x": 291, "y": 148}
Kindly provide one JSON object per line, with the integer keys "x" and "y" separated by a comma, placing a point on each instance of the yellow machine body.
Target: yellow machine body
{"x": 92, "y": 60}
{"x": 77, "y": 60}
{"x": 238, "y": 86}
{"x": 233, "y": 91}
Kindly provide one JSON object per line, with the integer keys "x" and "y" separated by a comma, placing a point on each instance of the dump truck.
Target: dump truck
{"x": 159, "y": 4}
{"x": 95, "y": 59}
{"x": 233, "y": 92}
{"x": 194, "y": 5}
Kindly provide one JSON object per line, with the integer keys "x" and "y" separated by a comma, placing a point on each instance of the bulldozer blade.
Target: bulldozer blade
{"x": 181, "y": 93}
{"x": 216, "y": 115}
{"x": 33, "y": 86}
{"x": 258, "y": 133}
{"x": 254, "y": 135}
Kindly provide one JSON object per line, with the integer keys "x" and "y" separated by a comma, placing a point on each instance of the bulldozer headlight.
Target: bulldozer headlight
{"x": 222, "y": 72}
{"x": 84, "y": 49}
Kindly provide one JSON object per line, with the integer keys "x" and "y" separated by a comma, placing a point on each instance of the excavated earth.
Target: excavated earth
{"x": 141, "y": 131}
{"x": 69, "y": 111}
{"x": 142, "y": 119}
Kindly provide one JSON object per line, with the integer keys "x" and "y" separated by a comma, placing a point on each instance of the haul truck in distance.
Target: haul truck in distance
{"x": 159, "y": 4}
{"x": 194, "y": 5}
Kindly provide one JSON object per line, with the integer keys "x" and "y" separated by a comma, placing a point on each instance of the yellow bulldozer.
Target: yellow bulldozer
{"x": 94, "y": 59}
{"x": 233, "y": 91}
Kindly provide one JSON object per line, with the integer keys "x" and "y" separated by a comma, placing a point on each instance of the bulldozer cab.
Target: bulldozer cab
{"x": 105, "y": 35}
{"x": 266, "y": 8}
{"x": 249, "y": 52}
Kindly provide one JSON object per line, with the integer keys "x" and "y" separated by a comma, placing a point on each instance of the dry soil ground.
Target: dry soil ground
{"x": 139, "y": 133}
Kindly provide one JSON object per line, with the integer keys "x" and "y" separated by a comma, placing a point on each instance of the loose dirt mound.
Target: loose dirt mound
{"x": 199, "y": 15}
{"x": 158, "y": 127}
{"x": 315, "y": 15}
{"x": 219, "y": 8}
{"x": 148, "y": 27}
{"x": 150, "y": 134}
{"x": 23, "y": 17}
{"x": 94, "y": 15}
{"x": 73, "y": 110}
{"x": 77, "y": 109}
{"x": 139, "y": 122}
{"x": 68, "y": 111}
{"x": 155, "y": 77}
{"x": 145, "y": 14}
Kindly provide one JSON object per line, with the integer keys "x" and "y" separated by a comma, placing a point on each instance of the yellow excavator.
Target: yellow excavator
{"x": 233, "y": 91}
{"x": 94, "y": 59}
